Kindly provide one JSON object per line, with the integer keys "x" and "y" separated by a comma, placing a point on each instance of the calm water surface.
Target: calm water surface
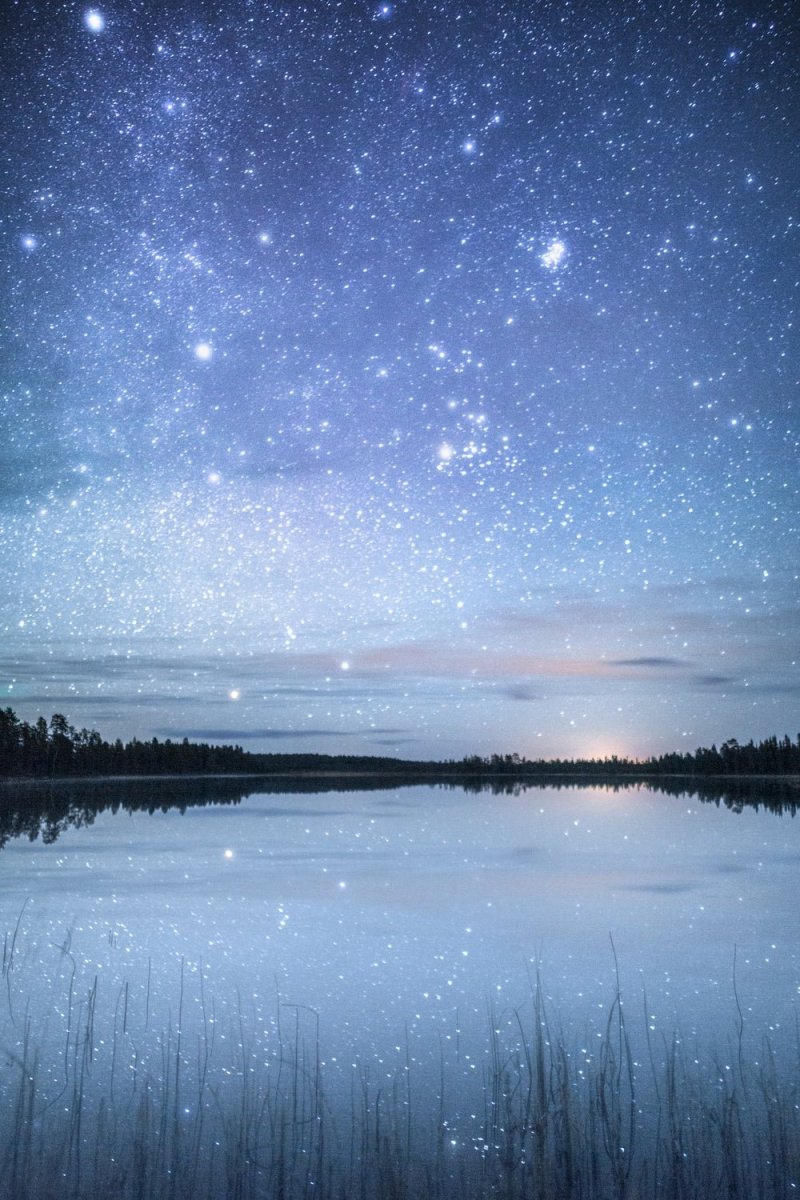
{"x": 400, "y": 917}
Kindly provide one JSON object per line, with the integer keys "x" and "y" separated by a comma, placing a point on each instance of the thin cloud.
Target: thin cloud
{"x": 523, "y": 693}
{"x": 242, "y": 735}
{"x": 655, "y": 662}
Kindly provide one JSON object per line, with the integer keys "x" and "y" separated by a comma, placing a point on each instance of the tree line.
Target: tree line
{"x": 772, "y": 756}
{"x": 55, "y": 749}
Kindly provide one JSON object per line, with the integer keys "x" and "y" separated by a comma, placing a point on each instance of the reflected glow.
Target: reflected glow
{"x": 449, "y": 894}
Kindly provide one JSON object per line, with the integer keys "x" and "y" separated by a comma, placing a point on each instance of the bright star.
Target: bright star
{"x": 94, "y": 20}
{"x": 203, "y": 351}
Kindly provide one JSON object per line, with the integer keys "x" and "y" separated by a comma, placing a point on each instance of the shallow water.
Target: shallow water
{"x": 405, "y": 913}
{"x": 337, "y": 994}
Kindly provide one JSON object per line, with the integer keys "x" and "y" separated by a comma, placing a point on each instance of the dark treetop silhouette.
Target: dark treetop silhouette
{"x": 42, "y": 750}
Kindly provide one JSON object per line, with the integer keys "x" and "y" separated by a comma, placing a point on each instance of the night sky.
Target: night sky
{"x": 404, "y": 378}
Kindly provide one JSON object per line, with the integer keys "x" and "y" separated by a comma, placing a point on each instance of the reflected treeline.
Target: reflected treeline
{"x": 508, "y": 786}
{"x": 780, "y": 796}
{"x": 45, "y": 810}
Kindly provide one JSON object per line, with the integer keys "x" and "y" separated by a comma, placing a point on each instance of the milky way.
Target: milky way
{"x": 402, "y": 378}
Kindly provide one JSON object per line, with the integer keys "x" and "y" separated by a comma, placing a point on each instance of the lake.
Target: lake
{"x": 402, "y": 941}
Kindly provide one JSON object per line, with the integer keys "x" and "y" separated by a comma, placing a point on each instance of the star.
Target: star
{"x": 94, "y": 20}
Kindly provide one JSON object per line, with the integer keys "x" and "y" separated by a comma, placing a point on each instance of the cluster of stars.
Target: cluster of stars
{"x": 338, "y": 320}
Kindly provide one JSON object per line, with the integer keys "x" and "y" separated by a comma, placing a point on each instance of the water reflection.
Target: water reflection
{"x": 178, "y": 951}
{"x": 46, "y": 809}
{"x": 781, "y": 796}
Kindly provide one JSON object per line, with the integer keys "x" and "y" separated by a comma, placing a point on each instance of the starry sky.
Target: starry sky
{"x": 401, "y": 378}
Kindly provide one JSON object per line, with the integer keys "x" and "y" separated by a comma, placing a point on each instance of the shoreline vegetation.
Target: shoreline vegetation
{"x": 105, "y": 1100}
{"x": 56, "y": 750}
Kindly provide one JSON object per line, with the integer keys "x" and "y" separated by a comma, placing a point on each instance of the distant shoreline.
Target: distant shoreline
{"x": 55, "y": 749}
{"x": 414, "y": 775}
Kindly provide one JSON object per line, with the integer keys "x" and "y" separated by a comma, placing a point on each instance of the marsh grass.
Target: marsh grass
{"x": 97, "y": 1100}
